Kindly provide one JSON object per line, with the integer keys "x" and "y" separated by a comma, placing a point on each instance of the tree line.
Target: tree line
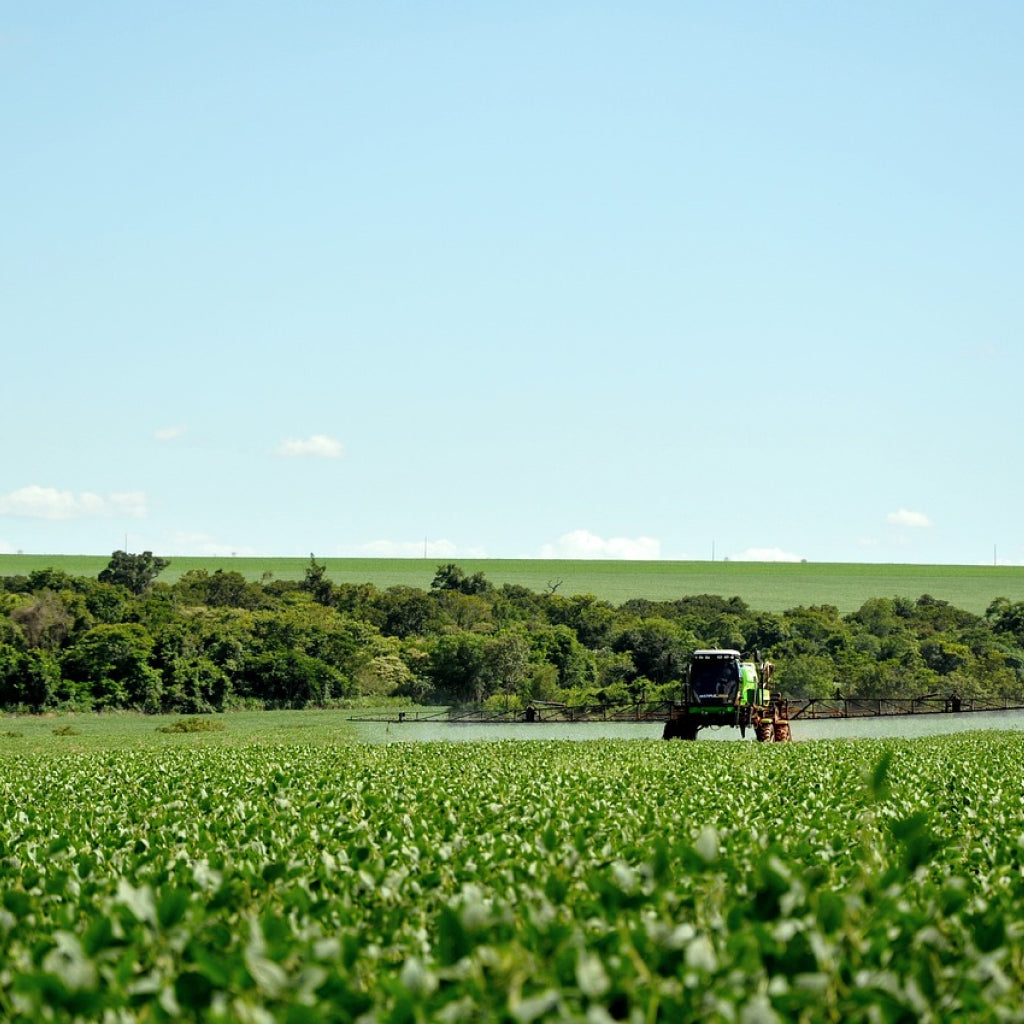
{"x": 217, "y": 641}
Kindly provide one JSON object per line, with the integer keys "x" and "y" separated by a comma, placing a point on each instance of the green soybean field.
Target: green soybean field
{"x": 592, "y": 881}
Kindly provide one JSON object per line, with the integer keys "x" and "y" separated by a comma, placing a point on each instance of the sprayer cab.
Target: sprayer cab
{"x": 721, "y": 677}
{"x": 721, "y": 689}
{"x": 714, "y": 677}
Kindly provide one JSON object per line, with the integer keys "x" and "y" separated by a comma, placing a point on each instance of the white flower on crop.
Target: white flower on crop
{"x": 476, "y": 909}
{"x": 591, "y": 975}
{"x": 206, "y": 878}
{"x": 528, "y": 1010}
{"x": 69, "y": 962}
{"x": 416, "y": 978}
{"x": 706, "y": 844}
{"x": 626, "y": 878}
{"x": 139, "y": 901}
{"x": 700, "y": 955}
{"x": 758, "y": 1010}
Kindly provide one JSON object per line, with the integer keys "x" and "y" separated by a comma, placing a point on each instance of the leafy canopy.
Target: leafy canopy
{"x": 134, "y": 572}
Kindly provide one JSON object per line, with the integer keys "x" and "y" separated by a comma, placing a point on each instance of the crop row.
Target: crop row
{"x": 529, "y": 881}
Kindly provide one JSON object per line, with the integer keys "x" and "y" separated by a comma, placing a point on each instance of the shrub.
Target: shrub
{"x": 193, "y": 724}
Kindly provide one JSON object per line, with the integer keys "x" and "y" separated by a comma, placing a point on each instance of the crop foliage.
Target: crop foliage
{"x": 529, "y": 881}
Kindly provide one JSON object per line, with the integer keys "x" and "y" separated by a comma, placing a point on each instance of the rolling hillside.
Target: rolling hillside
{"x": 766, "y": 586}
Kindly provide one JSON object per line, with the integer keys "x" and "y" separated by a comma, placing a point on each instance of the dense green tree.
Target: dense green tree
{"x": 200, "y": 655}
{"x": 643, "y": 608}
{"x": 220, "y": 589}
{"x": 591, "y": 619}
{"x": 316, "y": 583}
{"x": 195, "y": 685}
{"x": 945, "y": 657}
{"x": 106, "y": 603}
{"x": 878, "y": 617}
{"x": 477, "y": 584}
{"x": 463, "y": 611}
{"x": 111, "y": 663}
{"x": 29, "y": 679}
{"x": 448, "y": 577}
{"x": 515, "y": 603}
{"x": 901, "y": 649}
{"x": 9, "y": 632}
{"x": 453, "y": 577}
{"x": 818, "y": 629}
{"x": 42, "y": 684}
{"x": 807, "y": 675}
{"x": 558, "y": 646}
{"x": 291, "y": 679}
{"x": 358, "y": 601}
{"x": 406, "y": 611}
{"x": 506, "y": 661}
{"x": 763, "y": 632}
{"x": 343, "y": 643}
{"x": 384, "y": 675}
{"x": 135, "y": 573}
{"x": 708, "y": 605}
{"x": 614, "y": 672}
{"x": 51, "y": 579}
{"x": 1007, "y": 617}
{"x": 542, "y": 684}
{"x": 932, "y": 615}
{"x": 660, "y": 650}
{"x": 156, "y": 608}
{"x": 456, "y": 667}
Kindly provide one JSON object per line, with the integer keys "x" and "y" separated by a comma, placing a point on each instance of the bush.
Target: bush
{"x": 193, "y": 724}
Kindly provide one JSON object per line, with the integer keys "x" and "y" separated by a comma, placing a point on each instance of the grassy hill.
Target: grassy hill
{"x": 766, "y": 586}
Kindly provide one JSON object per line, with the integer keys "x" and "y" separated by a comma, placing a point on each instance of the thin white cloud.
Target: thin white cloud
{"x": 410, "y": 549}
{"x": 912, "y": 520}
{"x": 169, "y": 433}
{"x": 185, "y": 543}
{"x": 35, "y": 502}
{"x": 318, "y": 446}
{"x": 985, "y": 350}
{"x": 584, "y": 544}
{"x": 765, "y": 555}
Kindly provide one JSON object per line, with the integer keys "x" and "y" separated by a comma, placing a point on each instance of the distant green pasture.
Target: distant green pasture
{"x": 765, "y": 586}
{"x": 91, "y": 732}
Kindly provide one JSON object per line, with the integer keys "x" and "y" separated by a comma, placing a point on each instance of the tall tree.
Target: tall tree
{"x": 317, "y": 583}
{"x": 452, "y": 577}
{"x": 134, "y": 572}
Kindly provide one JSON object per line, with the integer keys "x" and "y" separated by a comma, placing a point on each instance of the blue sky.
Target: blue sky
{"x": 660, "y": 280}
